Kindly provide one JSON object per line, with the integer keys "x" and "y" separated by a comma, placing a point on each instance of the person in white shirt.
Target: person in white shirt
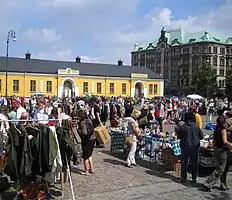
{"x": 20, "y": 110}
{"x": 40, "y": 114}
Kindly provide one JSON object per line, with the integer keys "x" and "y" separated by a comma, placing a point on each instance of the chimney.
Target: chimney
{"x": 120, "y": 62}
{"x": 78, "y": 59}
{"x": 28, "y": 56}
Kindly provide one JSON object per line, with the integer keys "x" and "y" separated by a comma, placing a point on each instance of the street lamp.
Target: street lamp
{"x": 207, "y": 89}
{"x": 10, "y": 35}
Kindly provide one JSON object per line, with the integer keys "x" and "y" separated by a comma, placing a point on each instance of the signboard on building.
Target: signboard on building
{"x": 68, "y": 71}
{"x": 133, "y": 75}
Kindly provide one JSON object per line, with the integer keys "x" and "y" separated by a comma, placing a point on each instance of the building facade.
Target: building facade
{"x": 27, "y": 76}
{"x": 178, "y": 55}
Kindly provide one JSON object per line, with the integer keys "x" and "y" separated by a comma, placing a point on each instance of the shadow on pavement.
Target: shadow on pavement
{"x": 139, "y": 161}
{"x": 114, "y": 162}
{"x": 222, "y": 196}
{"x": 155, "y": 169}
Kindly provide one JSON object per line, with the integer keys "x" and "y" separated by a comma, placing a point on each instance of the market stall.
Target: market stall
{"x": 117, "y": 139}
{"x": 206, "y": 154}
{"x": 33, "y": 156}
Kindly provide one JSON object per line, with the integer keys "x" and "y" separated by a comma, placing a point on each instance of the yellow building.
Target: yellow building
{"x": 27, "y": 76}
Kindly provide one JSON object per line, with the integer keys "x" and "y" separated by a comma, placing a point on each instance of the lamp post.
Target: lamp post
{"x": 207, "y": 89}
{"x": 10, "y": 35}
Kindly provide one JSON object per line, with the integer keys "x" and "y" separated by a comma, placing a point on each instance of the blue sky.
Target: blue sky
{"x": 102, "y": 30}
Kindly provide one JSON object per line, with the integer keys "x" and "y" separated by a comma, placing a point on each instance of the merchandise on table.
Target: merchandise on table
{"x": 210, "y": 126}
{"x": 117, "y": 139}
{"x": 166, "y": 143}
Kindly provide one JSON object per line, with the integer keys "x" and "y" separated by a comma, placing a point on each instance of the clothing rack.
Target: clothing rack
{"x": 33, "y": 120}
{"x": 68, "y": 170}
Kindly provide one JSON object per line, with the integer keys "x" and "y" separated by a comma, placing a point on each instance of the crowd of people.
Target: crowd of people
{"x": 92, "y": 112}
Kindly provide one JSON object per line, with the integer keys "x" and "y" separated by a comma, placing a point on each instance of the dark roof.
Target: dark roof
{"x": 92, "y": 69}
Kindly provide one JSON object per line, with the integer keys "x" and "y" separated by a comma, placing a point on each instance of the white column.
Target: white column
{"x": 77, "y": 91}
{"x": 145, "y": 92}
{"x": 60, "y": 91}
{"x": 41, "y": 86}
{"x": 161, "y": 88}
{"x": 92, "y": 87}
{"x": 132, "y": 92}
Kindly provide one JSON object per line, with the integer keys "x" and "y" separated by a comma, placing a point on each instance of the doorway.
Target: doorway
{"x": 69, "y": 88}
{"x": 139, "y": 90}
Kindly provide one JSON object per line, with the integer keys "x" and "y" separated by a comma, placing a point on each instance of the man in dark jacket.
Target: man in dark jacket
{"x": 190, "y": 135}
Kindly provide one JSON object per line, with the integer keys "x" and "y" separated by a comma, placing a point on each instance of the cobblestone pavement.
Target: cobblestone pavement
{"x": 147, "y": 181}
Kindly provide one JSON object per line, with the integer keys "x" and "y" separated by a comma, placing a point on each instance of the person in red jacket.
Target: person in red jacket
{"x": 22, "y": 101}
{"x": 13, "y": 102}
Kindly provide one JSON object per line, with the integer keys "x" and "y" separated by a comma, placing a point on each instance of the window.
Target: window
{"x": 222, "y": 51}
{"x": 186, "y": 51}
{"x": 215, "y": 71}
{"x": 0, "y": 85}
{"x": 85, "y": 87}
{"x": 33, "y": 85}
{"x": 215, "y": 50}
{"x": 155, "y": 89}
{"x": 220, "y": 83}
{"x": 99, "y": 88}
{"x": 123, "y": 88}
{"x": 222, "y": 62}
{"x": 111, "y": 88}
{"x": 221, "y": 72}
{"x": 15, "y": 85}
{"x": 215, "y": 61}
{"x": 49, "y": 86}
{"x": 195, "y": 50}
{"x": 223, "y": 83}
{"x": 150, "y": 89}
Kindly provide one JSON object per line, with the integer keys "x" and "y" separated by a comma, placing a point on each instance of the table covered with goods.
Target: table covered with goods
{"x": 206, "y": 154}
{"x": 162, "y": 147}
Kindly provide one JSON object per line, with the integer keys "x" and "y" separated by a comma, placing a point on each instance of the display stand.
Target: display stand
{"x": 61, "y": 173}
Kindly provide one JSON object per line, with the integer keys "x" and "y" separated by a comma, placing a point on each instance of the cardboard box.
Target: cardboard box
{"x": 171, "y": 162}
{"x": 102, "y": 134}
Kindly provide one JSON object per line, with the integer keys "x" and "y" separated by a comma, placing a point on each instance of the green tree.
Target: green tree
{"x": 205, "y": 81}
{"x": 228, "y": 89}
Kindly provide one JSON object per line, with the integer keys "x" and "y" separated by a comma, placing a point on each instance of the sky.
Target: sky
{"x": 102, "y": 30}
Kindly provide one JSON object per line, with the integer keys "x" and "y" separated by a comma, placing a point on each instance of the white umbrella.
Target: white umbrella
{"x": 194, "y": 96}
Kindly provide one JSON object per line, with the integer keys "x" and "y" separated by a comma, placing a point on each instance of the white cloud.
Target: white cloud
{"x": 149, "y": 28}
{"x": 45, "y": 35}
{"x": 102, "y": 30}
{"x": 64, "y": 54}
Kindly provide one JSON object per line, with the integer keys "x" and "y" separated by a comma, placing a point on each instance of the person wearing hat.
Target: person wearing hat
{"x": 134, "y": 132}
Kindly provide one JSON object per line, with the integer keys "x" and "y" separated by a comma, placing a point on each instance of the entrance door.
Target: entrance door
{"x": 69, "y": 89}
{"x": 139, "y": 90}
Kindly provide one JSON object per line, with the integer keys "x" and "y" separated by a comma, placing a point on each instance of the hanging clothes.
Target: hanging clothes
{"x": 19, "y": 161}
{"x": 4, "y": 127}
{"x": 67, "y": 146}
{"x": 57, "y": 164}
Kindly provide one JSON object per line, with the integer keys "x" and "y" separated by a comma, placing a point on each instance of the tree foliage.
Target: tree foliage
{"x": 228, "y": 89}
{"x": 205, "y": 81}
